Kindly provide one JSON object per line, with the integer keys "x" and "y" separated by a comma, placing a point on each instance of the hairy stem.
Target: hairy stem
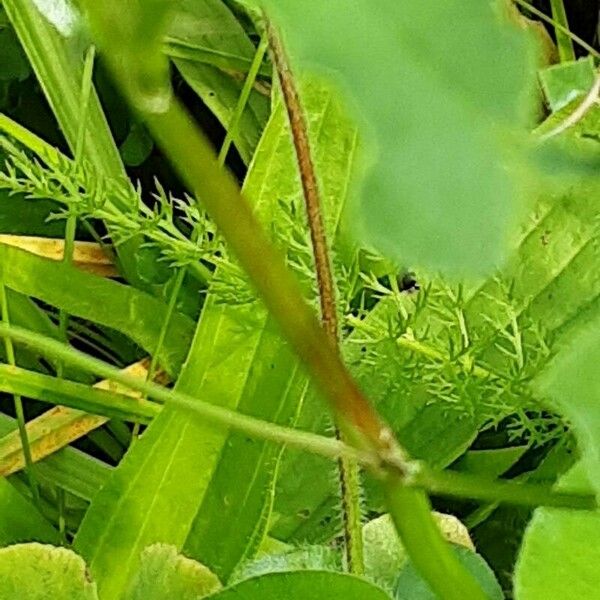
{"x": 349, "y": 474}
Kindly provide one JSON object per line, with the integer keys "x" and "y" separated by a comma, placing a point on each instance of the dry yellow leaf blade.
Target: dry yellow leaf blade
{"x": 59, "y": 426}
{"x": 87, "y": 256}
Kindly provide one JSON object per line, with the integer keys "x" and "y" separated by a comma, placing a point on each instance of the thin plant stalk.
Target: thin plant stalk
{"x": 71, "y": 225}
{"x": 348, "y": 471}
{"x": 418, "y": 475}
{"x": 566, "y": 52}
{"x": 18, "y": 402}
{"x": 558, "y": 27}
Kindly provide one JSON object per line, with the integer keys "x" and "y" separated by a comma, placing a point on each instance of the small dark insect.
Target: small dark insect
{"x": 408, "y": 283}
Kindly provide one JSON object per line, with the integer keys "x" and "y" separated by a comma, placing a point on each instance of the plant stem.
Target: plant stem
{"x": 462, "y": 485}
{"x": 418, "y": 476}
{"x": 231, "y": 131}
{"x": 559, "y": 28}
{"x": 71, "y": 225}
{"x": 566, "y": 52}
{"x": 10, "y": 356}
{"x": 234, "y": 125}
{"x": 218, "y": 415}
{"x": 429, "y": 552}
{"x": 192, "y": 156}
{"x": 349, "y": 474}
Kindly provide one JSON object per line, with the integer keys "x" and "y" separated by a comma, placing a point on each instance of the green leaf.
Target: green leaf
{"x": 61, "y": 392}
{"x": 560, "y": 552}
{"x": 39, "y": 572}
{"x": 306, "y": 503}
{"x": 384, "y": 553}
{"x": 14, "y": 64}
{"x": 21, "y": 216}
{"x": 54, "y": 52}
{"x": 410, "y": 585}
{"x": 208, "y": 27}
{"x": 165, "y": 575}
{"x": 69, "y": 468}
{"x": 20, "y": 521}
{"x": 105, "y": 302}
{"x": 444, "y": 361}
{"x": 307, "y": 558}
{"x": 571, "y": 382}
{"x": 440, "y": 191}
{"x": 137, "y": 146}
{"x": 490, "y": 463}
{"x": 237, "y": 359}
{"x": 316, "y": 585}
{"x": 564, "y": 82}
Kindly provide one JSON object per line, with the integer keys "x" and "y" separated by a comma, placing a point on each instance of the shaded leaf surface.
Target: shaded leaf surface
{"x": 560, "y": 552}
{"x": 21, "y": 521}
{"x": 410, "y": 586}
{"x": 438, "y": 193}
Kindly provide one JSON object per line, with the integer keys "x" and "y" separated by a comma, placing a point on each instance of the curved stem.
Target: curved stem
{"x": 429, "y": 552}
{"x": 446, "y": 483}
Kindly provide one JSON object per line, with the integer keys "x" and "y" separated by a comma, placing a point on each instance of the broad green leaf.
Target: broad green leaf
{"x": 39, "y": 572}
{"x": 316, "y": 585}
{"x": 410, "y": 586}
{"x": 564, "y": 82}
{"x": 441, "y": 190}
{"x": 571, "y": 381}
{"x": 165, "y": 575}
{"x": 20, "y": 521}
{"x": 105, "y": 302}
{"x": 208, "y": 31}
{"x": 560, "y": 552}
{"x": 237, "y": 360}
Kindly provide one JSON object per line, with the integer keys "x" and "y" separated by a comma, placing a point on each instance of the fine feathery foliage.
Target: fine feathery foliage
{"x": 455, "y": 171}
